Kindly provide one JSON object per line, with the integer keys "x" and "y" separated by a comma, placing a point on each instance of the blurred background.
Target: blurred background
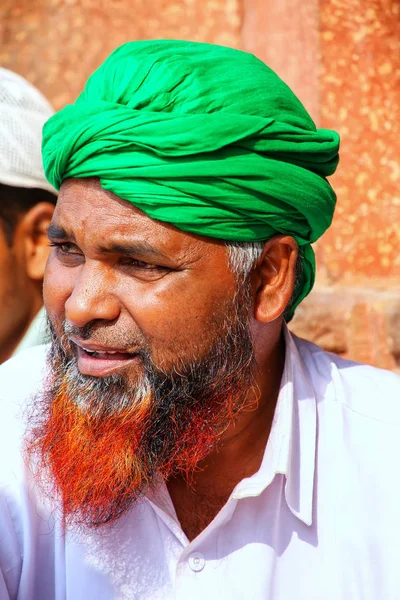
{"x": 341, "y": 57}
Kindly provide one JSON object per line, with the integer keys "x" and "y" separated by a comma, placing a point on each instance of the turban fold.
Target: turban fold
{"x": 204, "y": 137}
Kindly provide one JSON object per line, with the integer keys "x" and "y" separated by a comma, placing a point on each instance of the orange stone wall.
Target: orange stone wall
{"x": 56, "y": 44}
{"x": 355, "y": 308}
{"x": 342, "y": 58}
{"x": 360, "y": 96}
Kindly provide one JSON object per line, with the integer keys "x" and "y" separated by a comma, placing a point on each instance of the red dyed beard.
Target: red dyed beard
{"x": 98, "y": 443}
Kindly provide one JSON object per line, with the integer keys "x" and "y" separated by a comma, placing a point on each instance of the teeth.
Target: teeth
{"x": 93, "y": 352}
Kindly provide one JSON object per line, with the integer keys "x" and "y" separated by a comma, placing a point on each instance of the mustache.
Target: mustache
{"x": 107, "y": 335}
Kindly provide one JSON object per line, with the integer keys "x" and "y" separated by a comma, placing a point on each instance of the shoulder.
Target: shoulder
{"x": 368, "y": 391}
{"x": 357, "y": 450}
{"x": 20, "y": 378}
{"x": 26, "y": 518}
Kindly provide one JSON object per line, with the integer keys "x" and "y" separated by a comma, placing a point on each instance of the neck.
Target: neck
{"x": 242, "y": 446}
{"x": 241, "y": 449}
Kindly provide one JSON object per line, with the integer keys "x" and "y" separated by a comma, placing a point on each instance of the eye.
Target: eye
{"x": 64, "y": 247}
{"x": 68, "y": 253}
{"x": 143, "y": 270}
{"x": 140, "y": 264}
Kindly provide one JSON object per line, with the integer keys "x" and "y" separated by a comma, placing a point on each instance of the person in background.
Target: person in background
{"x": 26, "y": 206}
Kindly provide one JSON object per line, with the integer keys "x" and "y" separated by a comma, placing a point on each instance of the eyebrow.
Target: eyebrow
{"x": 132, "y": 249}
{"x": 55, "y": 232}
{"x": 135, "y": 249}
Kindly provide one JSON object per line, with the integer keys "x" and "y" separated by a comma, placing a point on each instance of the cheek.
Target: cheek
{"x": 58, "y": 284}
{"x": 11, "y": 295}
{"x": 15, "y": 297}
{"x": 180, "y": 317}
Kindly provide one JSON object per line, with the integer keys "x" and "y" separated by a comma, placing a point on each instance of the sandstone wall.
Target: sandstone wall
{"x": 342, "y": 57}
{"x": 56, "y": 44}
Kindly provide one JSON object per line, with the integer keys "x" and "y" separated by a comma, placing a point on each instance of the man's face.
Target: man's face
{"x": 133, "y": 280}
{"x": 152, "y": 357}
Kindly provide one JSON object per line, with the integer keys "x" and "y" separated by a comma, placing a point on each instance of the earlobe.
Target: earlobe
{"x": 275, "y": 275}
{"x": 35, "y": 224}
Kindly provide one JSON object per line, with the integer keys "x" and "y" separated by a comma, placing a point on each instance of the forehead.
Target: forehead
{"x": 95, "y": 216}
{"x": 98, "y": 219}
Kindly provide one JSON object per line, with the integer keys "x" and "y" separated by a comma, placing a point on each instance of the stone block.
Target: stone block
{"x": 358, "y": 323}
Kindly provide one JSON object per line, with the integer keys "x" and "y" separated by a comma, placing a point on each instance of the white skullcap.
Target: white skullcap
{"x": 23, "y": 112}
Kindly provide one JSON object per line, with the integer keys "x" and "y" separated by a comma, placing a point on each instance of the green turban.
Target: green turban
{"x": 204, "y": 137}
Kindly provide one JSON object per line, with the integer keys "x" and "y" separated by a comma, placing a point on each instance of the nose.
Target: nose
{"x": 92, "y": 298}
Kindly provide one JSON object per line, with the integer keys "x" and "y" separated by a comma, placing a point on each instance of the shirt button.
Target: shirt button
{"x": 196, "y": 561}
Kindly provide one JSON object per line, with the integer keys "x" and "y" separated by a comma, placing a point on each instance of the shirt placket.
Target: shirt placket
{"x": 197, "y": 567}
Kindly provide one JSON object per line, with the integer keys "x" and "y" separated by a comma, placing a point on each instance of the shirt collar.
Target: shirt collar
{"x": 291, "y": 446}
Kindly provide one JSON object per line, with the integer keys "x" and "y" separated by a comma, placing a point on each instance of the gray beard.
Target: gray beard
{"x": 190, "y": 407}
{"x": 229, "y": 361}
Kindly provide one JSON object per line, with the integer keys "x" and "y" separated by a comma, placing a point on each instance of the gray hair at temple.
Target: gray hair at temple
{"x": 243, "y": 256}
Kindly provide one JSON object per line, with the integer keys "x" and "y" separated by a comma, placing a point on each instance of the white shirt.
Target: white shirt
{"x": 319, "y": 520}
{"x": 35, "y": 335}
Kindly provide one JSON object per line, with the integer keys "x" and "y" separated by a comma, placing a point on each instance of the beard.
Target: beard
{"x": 97, "y": 444}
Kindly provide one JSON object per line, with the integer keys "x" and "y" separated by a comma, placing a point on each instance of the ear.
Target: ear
{"x": 33, "y": 231}
{"x": 274, "y": 278}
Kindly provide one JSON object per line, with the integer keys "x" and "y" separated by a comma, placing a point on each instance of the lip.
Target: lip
{"x": 101, "y": 363}
{"x": 93, "y": 347}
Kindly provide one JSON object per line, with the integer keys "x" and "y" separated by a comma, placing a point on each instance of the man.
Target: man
{"x": 180, "y": 442}
{"x": 26, "y": 207}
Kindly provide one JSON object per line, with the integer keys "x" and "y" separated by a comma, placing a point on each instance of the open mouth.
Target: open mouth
{"x": 111, "y": 354}
{"x": 99, "y": 363}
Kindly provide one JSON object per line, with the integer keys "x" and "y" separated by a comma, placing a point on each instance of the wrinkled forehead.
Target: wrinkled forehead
{"x": 94, "y": 217}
